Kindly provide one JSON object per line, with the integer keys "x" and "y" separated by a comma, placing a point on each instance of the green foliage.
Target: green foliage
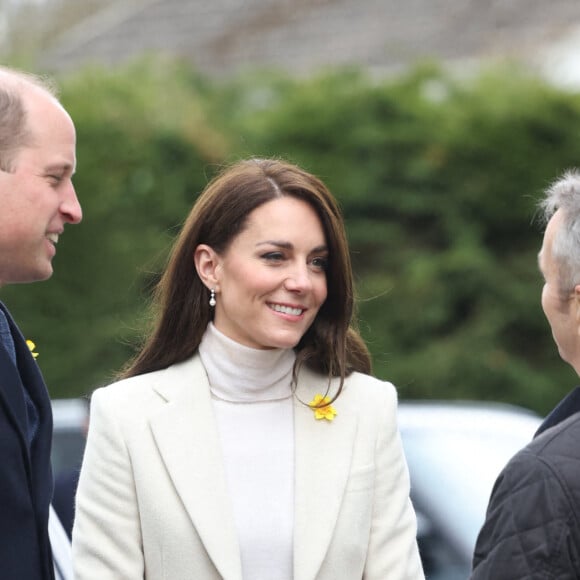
{"x": 438, "y": 178}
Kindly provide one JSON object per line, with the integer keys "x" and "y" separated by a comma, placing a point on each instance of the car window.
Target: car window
{"x": 455, "y": 453}
{"x": 67, "y": 450}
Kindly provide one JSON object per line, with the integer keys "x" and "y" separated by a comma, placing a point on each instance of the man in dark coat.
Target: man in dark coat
{"x": 37, "y": 198}
{"x": 532, "y": 527}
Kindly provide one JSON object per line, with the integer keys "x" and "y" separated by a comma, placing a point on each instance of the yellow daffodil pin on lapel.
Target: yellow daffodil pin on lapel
{"x": 322, "y": 408}
{"x": 32, "y": 346}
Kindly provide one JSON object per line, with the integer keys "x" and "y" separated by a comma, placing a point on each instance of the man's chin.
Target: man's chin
{"x": 45, "y": 276}
{"x": 37, "y": 276}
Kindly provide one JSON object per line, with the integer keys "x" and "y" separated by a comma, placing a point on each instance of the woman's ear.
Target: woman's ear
{"x": 207, "y": 263}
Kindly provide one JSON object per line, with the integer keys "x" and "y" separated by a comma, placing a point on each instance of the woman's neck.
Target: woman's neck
{"x": 238, "y": 373}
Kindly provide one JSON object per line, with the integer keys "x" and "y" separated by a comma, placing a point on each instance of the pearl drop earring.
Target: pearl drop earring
{"x": 212, "y": 297}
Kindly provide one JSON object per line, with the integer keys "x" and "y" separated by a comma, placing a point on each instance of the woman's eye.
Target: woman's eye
{"x": 320, "y": 263}
{"x": 273, "y": 256}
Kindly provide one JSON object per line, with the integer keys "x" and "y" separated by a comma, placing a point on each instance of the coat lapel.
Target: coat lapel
{"x": 11, "y": 392}
{"x": 323, "y": 453}
{"x": 186, "y": 434}
{"x": 14, "y": 380}
{"x": 11, "y": 388}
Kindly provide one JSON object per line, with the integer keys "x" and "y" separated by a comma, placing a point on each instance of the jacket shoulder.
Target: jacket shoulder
{"x": 532, "y": 526}
{"x": 142, "y": 386}
{"x": 362, "y": 386}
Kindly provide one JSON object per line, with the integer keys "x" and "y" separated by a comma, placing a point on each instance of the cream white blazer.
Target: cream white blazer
{"x": 152, "y": 501}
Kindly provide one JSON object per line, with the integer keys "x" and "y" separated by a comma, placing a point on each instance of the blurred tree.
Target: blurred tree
{"x": 438, "y": 179}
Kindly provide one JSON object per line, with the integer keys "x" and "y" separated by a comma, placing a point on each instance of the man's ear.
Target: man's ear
{"x": 207, "y": 263}
{"x": 576, "y": 300}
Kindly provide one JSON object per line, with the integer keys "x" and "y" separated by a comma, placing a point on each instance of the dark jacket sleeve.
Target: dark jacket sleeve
{"x": 531, "y": 526}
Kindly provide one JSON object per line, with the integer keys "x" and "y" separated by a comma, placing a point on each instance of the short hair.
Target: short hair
{"x": 14, "y": 130}
{"x": 331, "y": 345}
{"x": 564, "y": 194}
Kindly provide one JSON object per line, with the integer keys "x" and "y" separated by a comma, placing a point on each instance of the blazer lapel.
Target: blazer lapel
{"x": 323, "y": 452}
{"x": 11, "y": 388}
{"x": 186, "y": 434}
{"x": 33, "y": 382}
{"x": 14, "y": 381}
{"x": 11, "y": 391}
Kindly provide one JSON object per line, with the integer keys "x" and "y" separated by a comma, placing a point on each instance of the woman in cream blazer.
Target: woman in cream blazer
{"x": 153, "y": 500}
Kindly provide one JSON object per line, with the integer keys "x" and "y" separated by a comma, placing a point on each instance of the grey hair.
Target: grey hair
{"x": 14, "y": 130}
{"x": 564, "y": 194}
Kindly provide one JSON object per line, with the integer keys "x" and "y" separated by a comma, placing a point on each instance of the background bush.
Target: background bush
{"x": 438, "y": 178}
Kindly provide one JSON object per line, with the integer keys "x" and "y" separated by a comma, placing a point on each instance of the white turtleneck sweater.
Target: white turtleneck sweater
{"x": 257, "y": 437}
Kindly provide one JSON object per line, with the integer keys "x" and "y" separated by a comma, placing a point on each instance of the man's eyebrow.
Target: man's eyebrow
{"x": 63, "y": 166}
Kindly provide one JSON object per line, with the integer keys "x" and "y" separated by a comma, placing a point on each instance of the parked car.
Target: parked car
{"x": 70, "y": 419}
{"x": 455, "y": 451}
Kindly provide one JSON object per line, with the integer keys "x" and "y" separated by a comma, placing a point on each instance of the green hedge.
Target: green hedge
{"x": 438, "y": 178}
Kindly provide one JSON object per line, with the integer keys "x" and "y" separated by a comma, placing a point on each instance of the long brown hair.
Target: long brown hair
{"x": 331, "y": 345}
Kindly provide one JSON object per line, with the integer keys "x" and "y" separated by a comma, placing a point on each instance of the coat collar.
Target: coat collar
{"x": 567, "y": 407}
{"x": 187, "y": 437}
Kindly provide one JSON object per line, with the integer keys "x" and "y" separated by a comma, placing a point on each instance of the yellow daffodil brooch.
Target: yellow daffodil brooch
{"x": 322, "y": 409}
{"x": 32, "y": 346}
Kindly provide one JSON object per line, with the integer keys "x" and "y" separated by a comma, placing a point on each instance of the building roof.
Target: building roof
{"x": 221, "y": 37}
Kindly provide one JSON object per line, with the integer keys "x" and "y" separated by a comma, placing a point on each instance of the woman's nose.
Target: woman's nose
{"x": 299, "y": 279}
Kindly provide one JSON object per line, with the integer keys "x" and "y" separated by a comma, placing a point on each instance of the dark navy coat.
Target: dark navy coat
{"x": 25, "y": 472}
